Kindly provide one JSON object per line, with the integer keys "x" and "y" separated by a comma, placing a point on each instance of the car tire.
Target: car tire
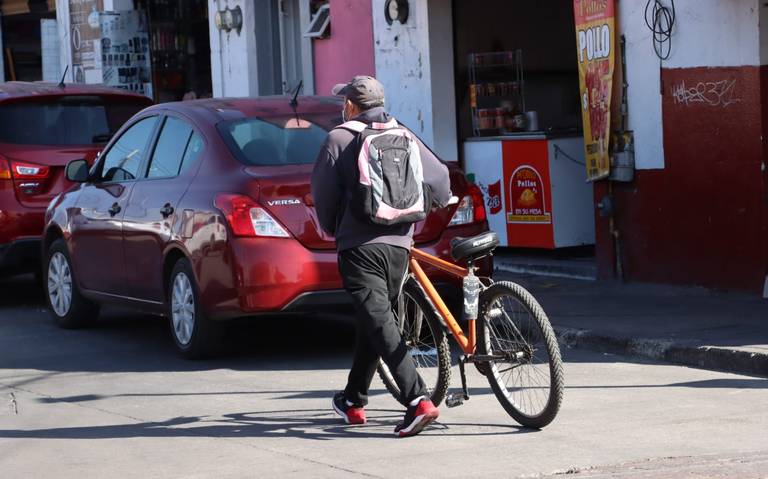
{"x": 68, "y": 307}
{"x": 195, "y": 335}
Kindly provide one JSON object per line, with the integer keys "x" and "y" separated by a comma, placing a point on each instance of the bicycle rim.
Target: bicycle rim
{"x": 527, "y": 376}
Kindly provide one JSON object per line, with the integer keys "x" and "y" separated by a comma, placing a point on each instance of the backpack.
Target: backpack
{"x": 389, "y": 187}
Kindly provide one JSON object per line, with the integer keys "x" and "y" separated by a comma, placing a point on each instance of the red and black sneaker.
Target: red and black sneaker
{"x": 351, "y": 413}
{"x": 417, "y": 417}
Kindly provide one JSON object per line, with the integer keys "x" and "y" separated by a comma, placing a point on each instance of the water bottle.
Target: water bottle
{"x": 471, "y": 289}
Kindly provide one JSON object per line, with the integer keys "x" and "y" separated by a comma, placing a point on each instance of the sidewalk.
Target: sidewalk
{"x": 683, "y": 325}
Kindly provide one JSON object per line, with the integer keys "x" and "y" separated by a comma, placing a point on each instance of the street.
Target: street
{"x": 115, "y": 401}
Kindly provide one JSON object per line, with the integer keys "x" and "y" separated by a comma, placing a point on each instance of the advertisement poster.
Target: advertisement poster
{"x": 86, "y": 40}
{"x": 125, "y": 52}
{"x": 526, "y": 193}
{"x": 595, "y": 41}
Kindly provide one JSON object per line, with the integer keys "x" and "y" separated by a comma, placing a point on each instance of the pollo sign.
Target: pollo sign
{"x": 595, "y": 40}
{"x": 526, "y": 193}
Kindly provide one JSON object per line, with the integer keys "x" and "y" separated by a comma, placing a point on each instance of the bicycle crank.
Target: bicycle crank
{"x": 453, "y": 399}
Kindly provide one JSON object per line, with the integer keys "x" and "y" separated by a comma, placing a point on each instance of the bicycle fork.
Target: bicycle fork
{"x": 471, "y": 292}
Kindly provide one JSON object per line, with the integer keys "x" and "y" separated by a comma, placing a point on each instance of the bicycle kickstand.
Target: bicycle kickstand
{"x": 453, "y": 399}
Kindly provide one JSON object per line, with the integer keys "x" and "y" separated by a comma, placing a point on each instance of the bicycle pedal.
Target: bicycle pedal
{"x": 454, "y": 400}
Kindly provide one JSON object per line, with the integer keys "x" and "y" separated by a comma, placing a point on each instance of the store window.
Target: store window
{"x": 20, "y": 38}
{"x": 179, "y": 40}
{"x": 513, "y": 58}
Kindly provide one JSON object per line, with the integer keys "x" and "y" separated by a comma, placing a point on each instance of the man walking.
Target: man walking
{"x": 373, "y": 255}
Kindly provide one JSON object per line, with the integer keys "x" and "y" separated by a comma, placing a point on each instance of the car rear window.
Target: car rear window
{"x": 274, "y": 141}
{"x": 67, "y": 120}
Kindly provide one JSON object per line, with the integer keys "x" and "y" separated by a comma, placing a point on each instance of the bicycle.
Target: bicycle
{"x": 516, "y": 341}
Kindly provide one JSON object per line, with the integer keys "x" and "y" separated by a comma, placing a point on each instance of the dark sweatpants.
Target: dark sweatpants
{"x": 373, "y": 275}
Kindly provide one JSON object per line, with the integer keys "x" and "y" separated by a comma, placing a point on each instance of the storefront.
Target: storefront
{"x": 159, "y": 48}
{"x": 519, "y": 120}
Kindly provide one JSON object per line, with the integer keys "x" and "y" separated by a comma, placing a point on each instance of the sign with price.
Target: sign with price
{"x": 595, "y": 42}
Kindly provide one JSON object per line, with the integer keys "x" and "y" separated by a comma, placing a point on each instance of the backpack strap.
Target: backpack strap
{"x": 354, "y": 126}
{"x": 392, "y": 123}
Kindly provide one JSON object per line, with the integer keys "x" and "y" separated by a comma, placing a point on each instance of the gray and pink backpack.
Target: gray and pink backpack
{"x": 390, "y": 186}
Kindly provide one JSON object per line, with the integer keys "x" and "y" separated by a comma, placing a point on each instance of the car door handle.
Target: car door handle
{"x": 166, "y": 210}
{"x": 115, "y": 209}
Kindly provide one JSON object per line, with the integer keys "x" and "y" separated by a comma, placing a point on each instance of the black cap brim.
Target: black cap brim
{"x": 340, "y": 89}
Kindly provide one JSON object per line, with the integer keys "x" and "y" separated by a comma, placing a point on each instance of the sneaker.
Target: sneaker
{"x": 352, "y": 414}
{"x": 417, "y": 417}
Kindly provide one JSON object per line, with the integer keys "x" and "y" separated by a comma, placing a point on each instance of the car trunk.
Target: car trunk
{"x": 40, "y": 134}
{"x": 38, "y": 172}
{"x": 284, "y": 191}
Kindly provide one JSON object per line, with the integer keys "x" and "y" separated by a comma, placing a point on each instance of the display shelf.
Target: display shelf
{"x": 496, "y": 91}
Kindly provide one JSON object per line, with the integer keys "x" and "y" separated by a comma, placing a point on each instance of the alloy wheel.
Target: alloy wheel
{"x": 59, "y": 284}
{"x": 182, "y": 309}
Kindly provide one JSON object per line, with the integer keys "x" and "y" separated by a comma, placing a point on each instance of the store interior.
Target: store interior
{"x": 519, "y": 127}
{"x": 21, "y": 45}
{"x": 181, "y": 50}
{"x": 543, "y": 34}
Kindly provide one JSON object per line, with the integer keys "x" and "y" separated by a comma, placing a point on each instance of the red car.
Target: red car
{"x": 201, "y": 211}
{"x": 43, "y": 126}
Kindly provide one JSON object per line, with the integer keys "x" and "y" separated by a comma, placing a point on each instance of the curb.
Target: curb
{"x": 583, "y": 273}
{"x": 699, "y": 356}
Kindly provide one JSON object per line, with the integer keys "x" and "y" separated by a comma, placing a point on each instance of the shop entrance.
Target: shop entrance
{"x": 181, "y": 48}
{"x": 20, "y": 38}
{"x": 519, "y": 122}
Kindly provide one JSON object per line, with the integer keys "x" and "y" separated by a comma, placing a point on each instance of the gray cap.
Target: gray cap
{"x": 362, "y": 90}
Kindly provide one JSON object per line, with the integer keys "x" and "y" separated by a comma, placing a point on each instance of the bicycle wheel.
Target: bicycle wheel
{"x": 526, "y": 374}
{"x": 426, "y": 341}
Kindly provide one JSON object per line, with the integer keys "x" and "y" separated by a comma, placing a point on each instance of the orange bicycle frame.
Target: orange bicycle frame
{"x": 468, "y": 341}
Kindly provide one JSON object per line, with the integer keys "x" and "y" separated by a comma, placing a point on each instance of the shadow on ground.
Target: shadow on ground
{"x": 314, "y": 424}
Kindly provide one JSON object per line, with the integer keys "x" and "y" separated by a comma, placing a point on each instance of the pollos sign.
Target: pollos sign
{"x": 526, "y": 193}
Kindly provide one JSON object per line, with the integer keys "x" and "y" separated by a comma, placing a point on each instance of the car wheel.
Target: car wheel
{"x": 67, "y": 306}
{"x": 194, "y": 334}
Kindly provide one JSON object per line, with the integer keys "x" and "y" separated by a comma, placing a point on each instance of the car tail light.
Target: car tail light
{"x": 28, "y": 171}
{"x": 5, "y": 170}
{"x": 246, "y": 218}
{"x": 471, "y": 208}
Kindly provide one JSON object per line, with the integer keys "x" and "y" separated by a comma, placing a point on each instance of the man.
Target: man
{"x": 373, "y": 258}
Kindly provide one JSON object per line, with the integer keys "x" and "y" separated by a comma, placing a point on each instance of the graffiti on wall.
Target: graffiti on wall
{"x": 712, "y": 93}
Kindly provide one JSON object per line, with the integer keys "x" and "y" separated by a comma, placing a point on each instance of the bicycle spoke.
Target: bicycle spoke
{"x": 430, "y": 356}
{"x": 514, "y": 333}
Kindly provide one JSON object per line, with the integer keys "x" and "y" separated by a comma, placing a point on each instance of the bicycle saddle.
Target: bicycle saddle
{"x": 474, "y": 247}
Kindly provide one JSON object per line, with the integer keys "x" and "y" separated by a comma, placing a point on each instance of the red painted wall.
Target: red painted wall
{"x": 348, "y": 51}
{"x": 702, "y": 219}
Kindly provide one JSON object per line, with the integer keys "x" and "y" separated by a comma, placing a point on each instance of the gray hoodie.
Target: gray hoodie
{"x": 334, "y": 175}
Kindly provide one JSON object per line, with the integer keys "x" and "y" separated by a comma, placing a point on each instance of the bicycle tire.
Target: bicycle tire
{"x": 502, "y": 332}
{"x": 431, "y": 356}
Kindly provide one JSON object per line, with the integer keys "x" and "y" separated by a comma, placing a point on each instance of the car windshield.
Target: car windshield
{"x": 274, "y": 141}
{"x": 67, "y": 120}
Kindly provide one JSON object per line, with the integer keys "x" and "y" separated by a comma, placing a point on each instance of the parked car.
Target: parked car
{"x": 43, "y": 126}
{"x": 201, "y": 211}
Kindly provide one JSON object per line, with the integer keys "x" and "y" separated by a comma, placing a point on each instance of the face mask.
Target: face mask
{"x": 344, "y": 113}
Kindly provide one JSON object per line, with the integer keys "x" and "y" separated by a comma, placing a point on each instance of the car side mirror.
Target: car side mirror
{"x": 77, "y": 171}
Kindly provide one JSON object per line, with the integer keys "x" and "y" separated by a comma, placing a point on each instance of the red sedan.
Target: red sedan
{"x": 201, "y": 211}
{"x": 42, "y": 127}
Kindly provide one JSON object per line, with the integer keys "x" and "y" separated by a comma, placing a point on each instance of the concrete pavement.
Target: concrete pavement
{"x": 115, "y": 401}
